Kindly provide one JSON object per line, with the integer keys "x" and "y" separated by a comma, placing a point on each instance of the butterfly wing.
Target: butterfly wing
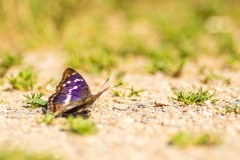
{"x": 76, "y": 105}
{"x": 72, "y": 87}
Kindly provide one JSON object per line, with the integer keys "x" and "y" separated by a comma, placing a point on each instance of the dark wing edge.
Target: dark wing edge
{"x": 66, "y": 74}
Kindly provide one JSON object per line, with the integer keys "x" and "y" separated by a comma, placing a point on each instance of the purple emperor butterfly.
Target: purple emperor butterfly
{"x": 72, "y": 94}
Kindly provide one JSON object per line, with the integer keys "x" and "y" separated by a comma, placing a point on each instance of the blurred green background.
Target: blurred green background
{"x": 100, "y": 35}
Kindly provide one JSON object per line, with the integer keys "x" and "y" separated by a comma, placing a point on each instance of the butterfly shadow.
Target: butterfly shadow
{"x": 84, "y": 114}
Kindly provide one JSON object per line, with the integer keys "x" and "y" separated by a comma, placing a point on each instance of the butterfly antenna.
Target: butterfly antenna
{"x": 103, "y": 85}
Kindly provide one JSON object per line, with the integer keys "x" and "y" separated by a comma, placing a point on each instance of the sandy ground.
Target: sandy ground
{"x": 130, "y": 127}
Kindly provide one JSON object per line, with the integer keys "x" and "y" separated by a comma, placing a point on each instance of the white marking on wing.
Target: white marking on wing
{"x": 67, "y": 100}
{"x": 76, "y": 80}
{"x": 70, "y": 90}
{"x": 68, "y": 81}
{"x": 75, "y": 87}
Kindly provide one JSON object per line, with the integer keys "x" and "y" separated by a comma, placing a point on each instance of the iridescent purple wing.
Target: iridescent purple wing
{"x": 71, "y": 88}
{"x": 76, "y": 105}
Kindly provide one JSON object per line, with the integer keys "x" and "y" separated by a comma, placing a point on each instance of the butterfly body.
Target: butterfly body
{"x": 72, "y": 94}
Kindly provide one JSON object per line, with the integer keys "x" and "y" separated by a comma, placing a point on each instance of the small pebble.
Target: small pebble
{"x": 120, "y": 106}
{"x": 141, "y": 105}
{"x": 210, "y": 106}
{"x": 191, "y": 114}
{"x": 236, "y": 102}
{"x": 208, "y": 102}
{"x": 18, "y": 114}
{"x": 207, "y": 114}
{"x": 129, "y": 120}
{"x": 5, "y": 110}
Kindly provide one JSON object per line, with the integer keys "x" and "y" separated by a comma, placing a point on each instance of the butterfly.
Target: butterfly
{"x": 72, "y": 94}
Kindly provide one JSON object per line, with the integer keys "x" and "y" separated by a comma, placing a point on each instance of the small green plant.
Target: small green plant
{"x": 135, "y": 92}
{"x": 93, "y": 60}
{"x": 120, "y": 74}
{"x": 232, "y": 109}
{"x": 25, "y": 80}
{"x": 48, "y": 118}
{"x": 180, "y": 139}
{"x": 4, "y": 102}
{"x": 118, "y": 93}
{"x": 211, "y": 76}
{"x": 194, "y": 97}
{"x": 17, "y": 154}
{"x": 227, "y": 45}
{"x": 8, "y": 61}
{"x": 34, "y": 100}
{"x": 43, "y": 87}
{"x": 132, "y": 92}
{"x": 1, "y": 81}
{"x": 183, "y": 139}
{"x": 170, "y": 64}
{"x": 81, "y": 126}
